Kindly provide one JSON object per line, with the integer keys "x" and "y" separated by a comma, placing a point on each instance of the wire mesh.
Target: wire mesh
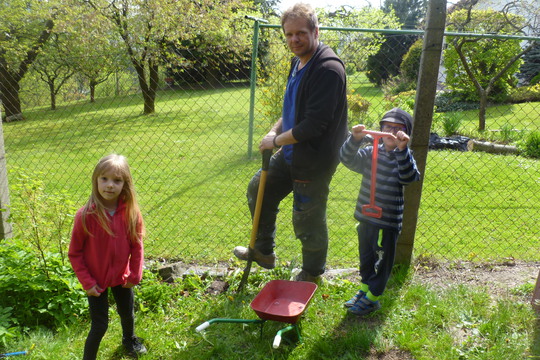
{"x": 191, "y": 163}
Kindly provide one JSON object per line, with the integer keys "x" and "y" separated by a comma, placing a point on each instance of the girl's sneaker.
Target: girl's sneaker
{"x": 364, "y": 306}
{"x": 134, "y": 346}
{"x": 360, "y": 294}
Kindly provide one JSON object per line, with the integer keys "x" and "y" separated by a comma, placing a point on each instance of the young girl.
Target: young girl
{"x": 106, "y": 251}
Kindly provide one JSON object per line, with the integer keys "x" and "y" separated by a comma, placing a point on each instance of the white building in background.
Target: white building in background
{"x": 529, "y": 9}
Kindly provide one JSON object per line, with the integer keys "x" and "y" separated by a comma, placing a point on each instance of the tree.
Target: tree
{"x": 409, "y": 12}
{"x": 529, "y": 71}
{"x": 93, "y": 52}
{"x": 25, "y": 27}
{"x": 52, "y": 68}
{"x": 146, "y": 28}
{"x": 354, "y": 48}
{"x": 480, "y": 65}
{"x": 385, "y": 64}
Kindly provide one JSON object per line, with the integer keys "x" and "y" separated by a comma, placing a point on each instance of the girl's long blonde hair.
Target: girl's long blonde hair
{"x": 117, "y": 164}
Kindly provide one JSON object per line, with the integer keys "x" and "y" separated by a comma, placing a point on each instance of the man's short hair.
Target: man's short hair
{"x": 301, "y": 11}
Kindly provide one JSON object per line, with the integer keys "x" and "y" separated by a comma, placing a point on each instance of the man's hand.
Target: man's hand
{"x": 267, "y": 143}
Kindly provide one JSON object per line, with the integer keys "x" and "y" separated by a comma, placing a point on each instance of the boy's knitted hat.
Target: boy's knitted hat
{"x": 399, "y": 116}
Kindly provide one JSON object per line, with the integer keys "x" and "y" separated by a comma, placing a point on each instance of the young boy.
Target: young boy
{"x": 377, "y": 237}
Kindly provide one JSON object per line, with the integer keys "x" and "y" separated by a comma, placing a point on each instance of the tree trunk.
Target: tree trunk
{"x": 482, "y": 110}
{"x": 53, "y": 95}
{"x": 92, "y": 91}
{"x": 474, "y": 145}
{"x": 535, "y": 302}
{"x": 148, "y": 93}
{"x": 9, "y": 86}
{"x": 9, "y": 94}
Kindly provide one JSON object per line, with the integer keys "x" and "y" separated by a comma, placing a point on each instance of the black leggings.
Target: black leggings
{"x": 99, "y": 314}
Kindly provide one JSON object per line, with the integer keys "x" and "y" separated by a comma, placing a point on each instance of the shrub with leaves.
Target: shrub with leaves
{"x": 531, "y": 145}
{"x": 358, "y": 107}
{"x": 525, "y": 94}
{"x": 38, "y": 286}
{"x": 41, "y": 219}
{"x": 37, "y": 299}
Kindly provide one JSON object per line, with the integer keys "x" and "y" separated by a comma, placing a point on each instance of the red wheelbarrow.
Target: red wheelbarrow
{"x": 279, "y": 300}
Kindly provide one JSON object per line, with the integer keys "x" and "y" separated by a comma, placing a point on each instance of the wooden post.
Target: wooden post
{"x": 535, "y": 302}
{"x": 423, "y": 117}
{"x": 5, "y": 227}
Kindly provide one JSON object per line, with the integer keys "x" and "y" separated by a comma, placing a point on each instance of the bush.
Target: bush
{"x": 410, "y": 66}
{"x": 38, "y": 286}
{"x": 42, "y": 220}
{"x": 404, "y": 100}
{"x": 531, "y": 146}
{"x": 35, "y": 299}
{"x": 397, "y": 85}
{"x": 358, "y": 107}
{"x": 451, "y": 124}
{"x": 525, "y": 94}
{"x": 453, "y": 101}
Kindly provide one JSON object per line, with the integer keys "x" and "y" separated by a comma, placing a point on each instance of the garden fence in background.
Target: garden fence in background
{"x": 193, "y": 158}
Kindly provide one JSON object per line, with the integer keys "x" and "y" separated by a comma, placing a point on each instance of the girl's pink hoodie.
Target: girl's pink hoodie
{"x": 102, "y": 259}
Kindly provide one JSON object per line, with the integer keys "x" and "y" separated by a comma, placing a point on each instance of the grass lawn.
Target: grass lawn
{"x": 417, "y": 321}
{"x": 191, "y": 170}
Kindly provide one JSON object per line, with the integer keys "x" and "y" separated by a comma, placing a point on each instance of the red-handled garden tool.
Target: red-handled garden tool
{"x": 371, "y": 209}
{"x": 266, "y": 155}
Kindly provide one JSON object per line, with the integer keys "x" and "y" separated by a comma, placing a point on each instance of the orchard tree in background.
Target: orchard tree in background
{"x": 25, "y": 27}
{"x": 52, "y": 68}
{"x": 147, "y": 28}
{"x": 95, "y": 51}
{"x": 478, "y": 66}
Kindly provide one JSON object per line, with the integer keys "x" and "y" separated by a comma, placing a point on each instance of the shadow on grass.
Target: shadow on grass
{"x": 236, "y": 337}
{"x": 354, "y": 337}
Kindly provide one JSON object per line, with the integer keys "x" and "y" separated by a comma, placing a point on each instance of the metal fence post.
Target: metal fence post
{"x": 423, "y": 117}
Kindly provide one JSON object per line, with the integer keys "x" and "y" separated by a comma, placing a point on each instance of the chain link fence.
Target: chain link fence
{"x": 192, "y": 159}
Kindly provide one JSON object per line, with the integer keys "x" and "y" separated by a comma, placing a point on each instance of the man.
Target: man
{"x": 310, "y": 133}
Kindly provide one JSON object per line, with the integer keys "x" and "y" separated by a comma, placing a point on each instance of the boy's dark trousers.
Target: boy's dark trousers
{"x": 377, "y": 251}
{"x": 99, "y": 314}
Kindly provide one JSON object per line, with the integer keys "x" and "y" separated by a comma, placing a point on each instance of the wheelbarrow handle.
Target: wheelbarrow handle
{"x": 277, "y": 341}
{"x": 203, "y": 326}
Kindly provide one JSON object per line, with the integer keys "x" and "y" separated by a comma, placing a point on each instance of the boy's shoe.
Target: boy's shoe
{"x": 265, "y": 261}
{"x": 360, "y": 294}
{"x": 134, "y": 346}
{"x": 364, "y": 306}
{"x": 305, "y": 276}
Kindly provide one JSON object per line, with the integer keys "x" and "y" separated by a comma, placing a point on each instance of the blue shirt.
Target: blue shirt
{"x": 289, "y": 106}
